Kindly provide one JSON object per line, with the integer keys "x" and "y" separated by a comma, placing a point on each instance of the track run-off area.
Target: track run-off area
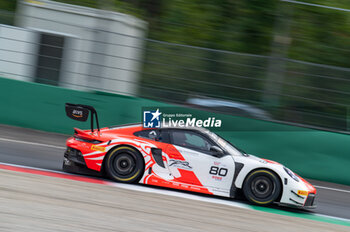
{"x": 35, "y": 193}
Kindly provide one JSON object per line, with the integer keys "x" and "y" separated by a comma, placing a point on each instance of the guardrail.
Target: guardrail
{"x": 311, "y": 153}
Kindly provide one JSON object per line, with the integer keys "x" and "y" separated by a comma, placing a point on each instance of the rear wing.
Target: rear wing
{"x": 81, "y": 113}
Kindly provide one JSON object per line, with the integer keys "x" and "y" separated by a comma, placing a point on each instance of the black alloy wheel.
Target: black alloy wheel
{"x": 124, "y": 164}
{"x": 262, "y": 187}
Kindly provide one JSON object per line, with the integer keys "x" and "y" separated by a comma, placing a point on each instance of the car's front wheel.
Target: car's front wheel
{"x": 124, "y": 164}
{"x": 262, "y": 187}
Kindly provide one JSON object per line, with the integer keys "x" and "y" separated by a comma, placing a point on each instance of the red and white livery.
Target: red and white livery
{"x": 192, "y": 159}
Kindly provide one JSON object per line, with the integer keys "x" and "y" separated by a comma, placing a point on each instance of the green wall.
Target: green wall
{"x": 41, "y": 106}
{"x": 311, "y": 153}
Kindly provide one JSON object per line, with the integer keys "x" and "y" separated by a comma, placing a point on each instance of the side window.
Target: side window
{"x": 156, "y": 135}
{"x": 191, "y": 140}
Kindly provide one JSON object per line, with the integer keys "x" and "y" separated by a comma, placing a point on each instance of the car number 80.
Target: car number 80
{"x": 215, "y": 170}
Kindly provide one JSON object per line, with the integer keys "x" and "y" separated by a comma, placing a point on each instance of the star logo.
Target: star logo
{"x": 156, "y": 115}
{"x": 152, "y": 118}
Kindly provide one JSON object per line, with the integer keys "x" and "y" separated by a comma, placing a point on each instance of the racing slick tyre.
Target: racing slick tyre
{"x": 262, "y": 187}
{"x": 124, "y": 164}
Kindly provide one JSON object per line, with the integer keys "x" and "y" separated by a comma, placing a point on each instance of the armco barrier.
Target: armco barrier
{"x": 311, "y": 153}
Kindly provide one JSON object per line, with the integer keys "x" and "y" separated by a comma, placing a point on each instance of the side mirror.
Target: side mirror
{"x": 216, "y": 150}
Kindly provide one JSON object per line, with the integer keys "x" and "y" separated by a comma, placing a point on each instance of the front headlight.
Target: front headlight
{"x": 291, "y": 174}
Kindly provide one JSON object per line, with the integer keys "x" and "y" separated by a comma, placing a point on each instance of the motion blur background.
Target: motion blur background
{"x": 275, "y": 60}
{"x": 276, "y": 72}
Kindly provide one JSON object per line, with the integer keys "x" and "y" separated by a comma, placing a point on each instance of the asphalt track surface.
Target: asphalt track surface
{"x": 45, "y": 150}
{"x": 59, "y": 202}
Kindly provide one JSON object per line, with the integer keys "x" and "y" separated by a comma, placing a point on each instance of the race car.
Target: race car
{"x": 191, "y": 158}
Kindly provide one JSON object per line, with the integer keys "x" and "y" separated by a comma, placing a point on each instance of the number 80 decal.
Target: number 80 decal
{"x": 214, "y": 170}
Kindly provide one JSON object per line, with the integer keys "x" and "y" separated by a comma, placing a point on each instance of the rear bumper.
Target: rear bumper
{"x": 73, "y": 161}
{"x": 74, "y": 155}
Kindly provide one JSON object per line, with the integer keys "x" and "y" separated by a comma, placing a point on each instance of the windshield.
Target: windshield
{"x": 229, "y": 147}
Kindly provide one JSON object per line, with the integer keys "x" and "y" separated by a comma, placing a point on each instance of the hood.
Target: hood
{"x": 262, "y": 160}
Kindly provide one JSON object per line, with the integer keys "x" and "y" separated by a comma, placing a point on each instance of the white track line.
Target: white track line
{"x": 31, "y": 143}
{"x": 59, "y": 147}
{"x": 149, "y": 189}
{"x": 332, "y": 189}
{"x": 333, "y": 217}
{"x": 169, "y": 192}
{"x": 143, "y": 188}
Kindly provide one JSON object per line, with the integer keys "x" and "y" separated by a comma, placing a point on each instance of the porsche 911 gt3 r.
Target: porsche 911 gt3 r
{"x": 192, "y": 159}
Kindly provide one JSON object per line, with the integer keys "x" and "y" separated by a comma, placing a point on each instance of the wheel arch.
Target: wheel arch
{"x": 116, "y": 146}
{"x": 266, "y": 169}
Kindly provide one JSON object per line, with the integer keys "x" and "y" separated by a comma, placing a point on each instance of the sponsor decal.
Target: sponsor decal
{"x": 218, "y": 178}
{"x": 302, "y": 192}
{"x": 77, "y": 113}
{"x": 180, "y": 164}
{"x": 98, "y": 148}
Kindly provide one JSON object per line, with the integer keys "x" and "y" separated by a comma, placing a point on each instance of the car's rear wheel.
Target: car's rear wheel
{"x": 124, "y": 164}
{"x": 262, "y": 187}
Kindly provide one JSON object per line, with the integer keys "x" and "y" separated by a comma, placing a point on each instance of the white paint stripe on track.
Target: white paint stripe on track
{"x": 332, "y": 189}
{"x": 169, "y": 192}
{"x": 31, "y": 143}
{"x": 190, "y": 196}
{"x": 332, "y": 217}
{"x": 147, "y": 189}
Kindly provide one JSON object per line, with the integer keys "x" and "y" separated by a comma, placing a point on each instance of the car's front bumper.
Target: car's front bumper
{"x": 298, "y": 199}
{"x": 310, "y": 203}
